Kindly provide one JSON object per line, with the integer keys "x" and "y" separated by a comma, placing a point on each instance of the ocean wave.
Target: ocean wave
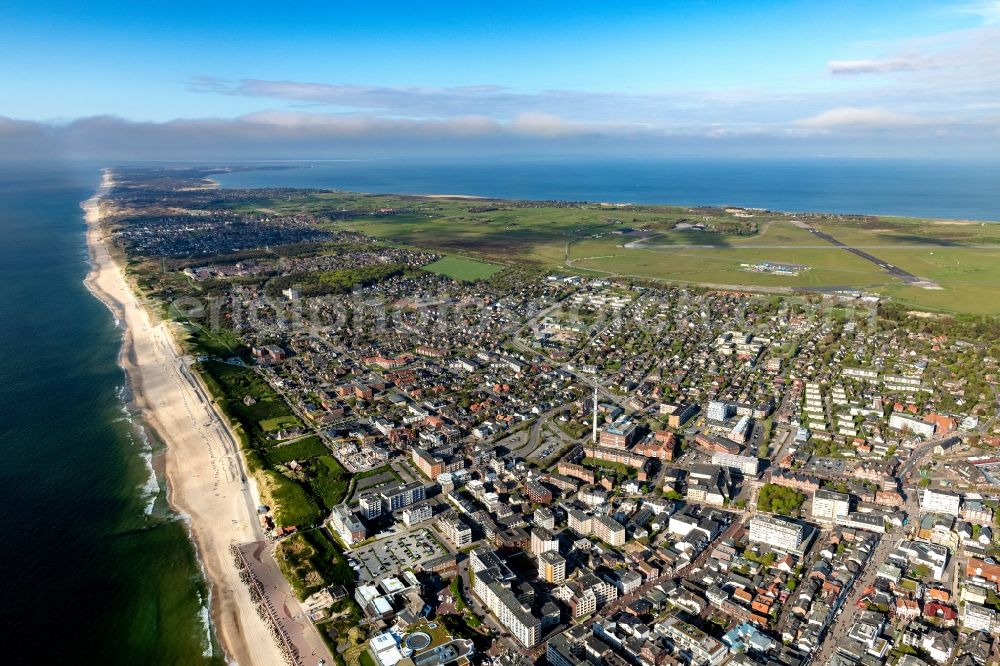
{"x": 200, "y": 578}
{"x": 124, "y": 394}
{"x": 205, "y": 617}
{"x": 151, "y": 488}
{"x": 151, "y": 491}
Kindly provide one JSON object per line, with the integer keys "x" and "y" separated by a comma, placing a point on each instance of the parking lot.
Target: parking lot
{"x": 548, "y": 447}
{"x": 393, "y": 555}
{"x": 821, "y": 466}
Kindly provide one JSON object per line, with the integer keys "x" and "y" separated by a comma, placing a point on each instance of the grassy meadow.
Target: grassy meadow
{"x": 462, "y": 269}
{"x": 656, "y": 242}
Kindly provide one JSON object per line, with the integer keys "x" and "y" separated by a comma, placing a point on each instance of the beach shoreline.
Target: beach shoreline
{"x": 206, "y": 481}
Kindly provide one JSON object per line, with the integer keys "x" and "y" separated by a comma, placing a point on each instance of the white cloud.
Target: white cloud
{"x": 873, "y": 117}
{"x": 987, "y": 10}
{"x": 842, "y": 67}
{"x": 295, "y": 134}
{"x": 534, "y": 109}
{"x": 412, "y": 101}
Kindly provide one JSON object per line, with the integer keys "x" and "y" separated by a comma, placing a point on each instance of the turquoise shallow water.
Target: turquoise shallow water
{"x": 98, "y": 569}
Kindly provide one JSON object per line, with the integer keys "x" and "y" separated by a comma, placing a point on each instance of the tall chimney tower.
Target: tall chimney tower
{"x": 594, "y": 436}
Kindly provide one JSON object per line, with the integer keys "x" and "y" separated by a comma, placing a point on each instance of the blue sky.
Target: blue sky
{"x": 886, "y": 77}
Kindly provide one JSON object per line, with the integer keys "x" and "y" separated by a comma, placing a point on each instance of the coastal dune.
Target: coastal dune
{"x": 204, "y": 470}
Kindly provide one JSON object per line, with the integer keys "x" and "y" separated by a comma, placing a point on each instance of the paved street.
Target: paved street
{"x": 849, "y": 611}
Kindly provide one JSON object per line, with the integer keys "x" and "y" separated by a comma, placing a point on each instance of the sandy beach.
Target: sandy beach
{"x": 204, "y": 471}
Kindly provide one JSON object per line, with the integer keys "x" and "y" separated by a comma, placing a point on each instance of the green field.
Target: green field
{"x": 962, "y": 260}
{"x": 463, "y": 269}
{"x": 659, "y": 243}
{"x": 279, "y": 422}
{"x": 301, "y": 449}
{"x": 827, "y": 267}
{"x": 618, "y": 468}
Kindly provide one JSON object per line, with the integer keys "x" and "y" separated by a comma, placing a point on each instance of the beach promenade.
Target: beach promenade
{"x": 204, "y": 470}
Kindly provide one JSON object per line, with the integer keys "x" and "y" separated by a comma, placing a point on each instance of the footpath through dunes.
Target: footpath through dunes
{"x": 203, "y": 466}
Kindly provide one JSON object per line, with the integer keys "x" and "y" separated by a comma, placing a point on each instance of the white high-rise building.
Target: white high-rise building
{"x": 778, "y": 533}
{"x": 417, "y": 513}
{"x": 542, "y": 540}
{"x": 580, "y": 522}
{"x": 940, "y": 501}
{"x": 491, "y": 584}
{"x": 746, "y": 464}
{"x": 907, "y": 423}
{"x": 371, "y": 506}
{"x": 719, "y": 410}
{"x": 828, "y": 506}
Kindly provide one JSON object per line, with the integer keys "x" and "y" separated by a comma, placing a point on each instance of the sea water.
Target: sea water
{"x": 97, "y": 568}
{"x": 940, "y": 188}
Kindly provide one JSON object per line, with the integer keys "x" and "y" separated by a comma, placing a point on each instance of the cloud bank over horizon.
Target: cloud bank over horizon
{"x": 282, "y": 134}
{"x": 936, "y": 94}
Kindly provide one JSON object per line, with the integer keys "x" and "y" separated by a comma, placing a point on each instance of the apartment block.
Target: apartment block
{"x": 912, "y": 424}
{"x": 543, "y": 540}
{"x": 608, "y": 530}
{"x": 776, "y": 532}
{"x": 748, "y": 465}
{"x": 456, "y": 530}
{"x": 347, "y": 525}
{"x": 580, "y": 522}
{"x": 430, "y": 465}
{"x": 828, "y": 506}
{"x": 417, "y": 513}
{"x": 940, "y": 501}
{"x": 396, "y": 497}
{"x": 371, "y": 506}
{"x": 552, "y": 567}
{"x": 491, "y": 585}
{"x": 719, "y": 411}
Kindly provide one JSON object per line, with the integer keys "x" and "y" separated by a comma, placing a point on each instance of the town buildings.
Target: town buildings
{"x": 940, "y": 501}
{"x": 828, "y": 506}
{"x": 346, "y": 524}
{"x": 492, "y": 585}
{"x": 430, "y": 397}
{"x": 748, "y": 465}
{"x": 776, "y": 532}
{"x": 552, "y": 567}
